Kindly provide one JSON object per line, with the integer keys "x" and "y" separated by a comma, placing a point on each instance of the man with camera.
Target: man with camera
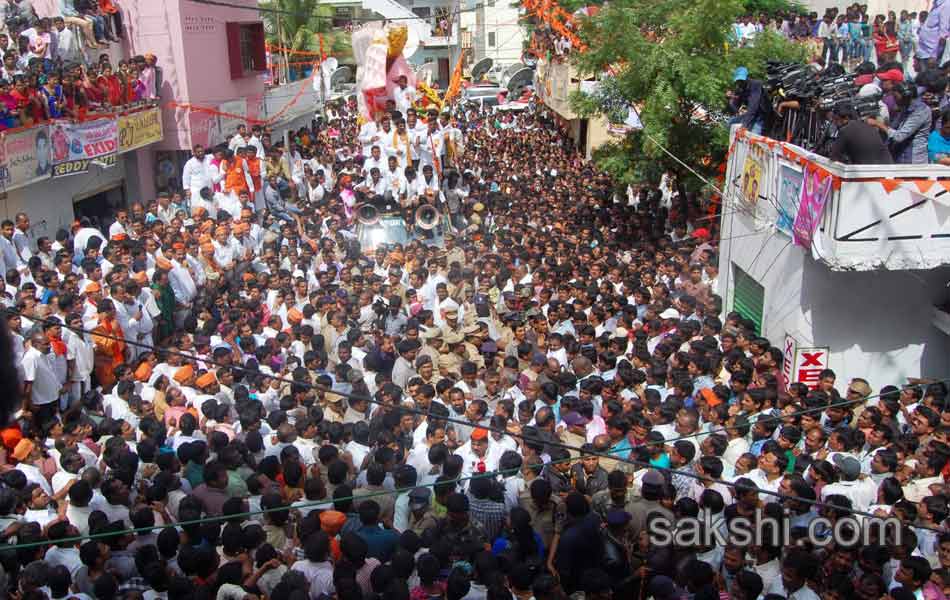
{"x": 858, "y": 142}
{"x": 910, "y": 126}
{"x": 750, "y": 95}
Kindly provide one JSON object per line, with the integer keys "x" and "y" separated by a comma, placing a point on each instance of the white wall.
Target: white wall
{"x": 50, "y": 203}
{"x": 876, "y": 323}
{"x": 501, "y": 20}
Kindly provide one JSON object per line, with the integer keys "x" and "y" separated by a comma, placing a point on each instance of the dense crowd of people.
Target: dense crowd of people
{"x": 50, "y": 68}
{"x": 222, "y": 394}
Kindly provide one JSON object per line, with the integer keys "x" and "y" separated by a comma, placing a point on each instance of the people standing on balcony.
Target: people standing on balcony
{"x": 748, "y": 102}
{"x": 858, "y": 143}
{"x": 52, "y": 91}
{"x": 111, "y": 85}
{"x": 29, "y": 103}
{"x": 932, "y": 35}
{"x": 71, "y": 16}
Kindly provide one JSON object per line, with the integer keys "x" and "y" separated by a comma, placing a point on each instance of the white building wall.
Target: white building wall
{"x": 876, "y": 324}
{"x": 498, "y": 18}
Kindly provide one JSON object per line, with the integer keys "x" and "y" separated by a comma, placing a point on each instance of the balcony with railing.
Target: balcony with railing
{"x": 849, "y": 217}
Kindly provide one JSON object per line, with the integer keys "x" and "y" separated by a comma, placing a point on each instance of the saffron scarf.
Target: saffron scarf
{"x": 57, "y": 343}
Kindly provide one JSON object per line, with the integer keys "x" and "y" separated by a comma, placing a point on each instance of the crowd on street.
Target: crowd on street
{"x": 223, "y": 394}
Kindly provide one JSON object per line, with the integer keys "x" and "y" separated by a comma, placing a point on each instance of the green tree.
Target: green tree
{"x": 298, "y": 24}
{"x": 671, "y": 59}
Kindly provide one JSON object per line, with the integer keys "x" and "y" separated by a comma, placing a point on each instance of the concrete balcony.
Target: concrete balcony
{"x": 875, "y": 217}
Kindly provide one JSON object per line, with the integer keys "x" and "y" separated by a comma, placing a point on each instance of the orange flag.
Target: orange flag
{"x": 455, "y": 85}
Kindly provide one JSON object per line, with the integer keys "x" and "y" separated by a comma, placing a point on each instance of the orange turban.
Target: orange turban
{"x": 248, "y": 276}
{"x": 185, "y": 373}
{"x": 710, "y": 397}
{"x": 178, "y": 246}
{"x": 206, "y": 227}
{"x": 332, "y": 521}
{"x": 141, "y": 278}
{"x": 206, "y": 380}
{"x": 294, "y": 316}
{"x": 479, "y": 434}
{"x": 92, "y": 288}
{"x": 198, "y": 212}
{"x": 11, "y": 436}
{"x": 163, "y": 263}
{"x": 143, "y": 372}
{"x": 119, "y": 237}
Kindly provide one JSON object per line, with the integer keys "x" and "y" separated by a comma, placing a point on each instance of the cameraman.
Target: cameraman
{"x": 391, "y": 319}
{"x": 750, "y": 94}
{"x": 910, "y": 126}
{"x": 858, "y": 143}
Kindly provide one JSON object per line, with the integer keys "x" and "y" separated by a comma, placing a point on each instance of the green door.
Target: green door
{"x": 748, "y": 297}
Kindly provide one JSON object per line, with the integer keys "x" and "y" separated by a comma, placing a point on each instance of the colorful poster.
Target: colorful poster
{"x": 76, "y": 145}
{"x": 140, "y": 129}
{"x": 751, "y": 180}
{"x": 789, "y": 193}
{"x": 26, "y": 157}
{"x": 816, "y": 190}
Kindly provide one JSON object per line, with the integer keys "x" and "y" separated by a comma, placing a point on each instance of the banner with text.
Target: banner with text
{"x": 140, "y": 129}
{"x": 76, "y": 145}
{"x": 26, "y": 157}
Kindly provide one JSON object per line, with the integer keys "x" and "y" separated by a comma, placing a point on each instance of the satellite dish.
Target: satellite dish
{"x": 518, "y": 82}
{"x": 340, "y": 76}
{"x": 330, "y": 64}
{"x": 481, "y": 68}
{"x": 508, "y": 71}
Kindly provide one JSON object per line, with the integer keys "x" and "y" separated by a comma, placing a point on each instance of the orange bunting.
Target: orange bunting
{"x": 889, "y": 185}
{"x": 924, "y": 185}
{"x": 250, "y": 121}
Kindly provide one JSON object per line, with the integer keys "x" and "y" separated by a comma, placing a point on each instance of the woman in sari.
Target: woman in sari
{"x": 109, "y": 345}
{"x": 165, "y": 298}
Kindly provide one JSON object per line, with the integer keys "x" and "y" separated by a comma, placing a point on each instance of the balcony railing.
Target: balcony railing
{"x": 890, "y": 217}
{"x": 64, "y": 147}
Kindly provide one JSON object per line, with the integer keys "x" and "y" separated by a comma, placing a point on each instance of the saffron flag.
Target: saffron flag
{"x": 455, "y": 85}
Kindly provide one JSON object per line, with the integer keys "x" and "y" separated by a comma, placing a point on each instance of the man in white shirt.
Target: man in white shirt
{"x": 368, "y": 136}
{"x": 404, "y": 96}
{"x": 239, "y": 140}
{"x": 40, "y": 385}
{"x": 375, "y": 160}
{"x": 197, "y": 173}
{"x": 861, "y": 492}
{"x": 119, "y": 225}
{"x": 22, "y": 238}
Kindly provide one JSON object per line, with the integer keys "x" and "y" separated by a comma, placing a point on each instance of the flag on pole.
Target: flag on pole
{"x": 323, "y": 55}
{"x": 455, "y": 85}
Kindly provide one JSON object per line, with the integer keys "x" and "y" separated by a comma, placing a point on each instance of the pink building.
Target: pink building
{"x": 211, "y": 57}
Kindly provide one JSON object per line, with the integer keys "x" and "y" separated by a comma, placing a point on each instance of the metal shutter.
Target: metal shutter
{"x": 748, "y": 297}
